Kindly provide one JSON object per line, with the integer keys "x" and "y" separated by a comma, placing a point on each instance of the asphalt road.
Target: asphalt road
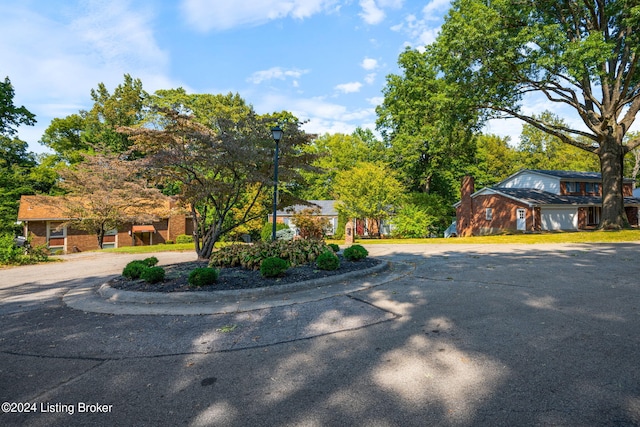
{"x": 450, "y": 335}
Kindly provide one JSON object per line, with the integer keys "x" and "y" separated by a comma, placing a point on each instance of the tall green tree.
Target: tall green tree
{"x": 495, "y": 159}
{"x": 582, "y": 55}
{"x": 335, "y": 153}
{"x": 94, "y": 130}
{"x": 17, "y": 164}
{"x": 429, "y": 135}
{"x": 368, "y": 190}
{"x": 11, "y": 116}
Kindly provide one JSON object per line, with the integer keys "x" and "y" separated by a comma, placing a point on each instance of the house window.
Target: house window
{"x": 571, "y": 187}
{"x": 56, "y": 235}
{"x": 593, "y": 215}
{"x": 488, "y": 214}
{"x": 592, "y": 187}
{"x": 110, "y": 239}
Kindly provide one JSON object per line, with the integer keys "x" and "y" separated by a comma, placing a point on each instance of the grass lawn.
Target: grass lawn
{"x": 557, "y": 237}
{"x": 568, "y": 237}
{"x": 177, "y": 247}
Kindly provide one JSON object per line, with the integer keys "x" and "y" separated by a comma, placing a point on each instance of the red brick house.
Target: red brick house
{"x": 537, "y": 200}
{"x": 46, "y": 225}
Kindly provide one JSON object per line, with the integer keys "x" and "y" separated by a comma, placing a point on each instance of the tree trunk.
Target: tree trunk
{"x": 208, "y": 242}
{"x": 611, "y": 154}
{"x": 100, "y": 234}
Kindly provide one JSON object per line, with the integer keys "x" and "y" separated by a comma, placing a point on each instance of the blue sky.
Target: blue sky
{"x": 323, "y": 60}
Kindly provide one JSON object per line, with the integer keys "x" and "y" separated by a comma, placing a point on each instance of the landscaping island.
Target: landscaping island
{"x": 176, "y": 277}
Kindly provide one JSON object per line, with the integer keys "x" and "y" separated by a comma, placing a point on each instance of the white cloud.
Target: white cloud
{"x": 349, "y": 87}
{"x": 369, "y": 64}
{"x": 435, "y": 9}
{"x": 376, "y": 100}
{"x": 55, "y": 62}
{"x": 371, "y": 13}
{"x": 370, "y": 78}
{"x": 424, "y": 31}
{"x": 323, "y": 116}
{"x": 219, "y": 15}
{"x": 275, "y": 73}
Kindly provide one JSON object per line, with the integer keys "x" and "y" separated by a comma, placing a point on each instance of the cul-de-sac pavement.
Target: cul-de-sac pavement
{"x": 444, "y": 335}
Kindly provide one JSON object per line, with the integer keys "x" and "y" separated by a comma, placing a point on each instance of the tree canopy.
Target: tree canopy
{"x": 581, "y": 55}
{"x": 429, "y": 135}
{"x": 94, "y": 131}
{"x": 11, "y": 116}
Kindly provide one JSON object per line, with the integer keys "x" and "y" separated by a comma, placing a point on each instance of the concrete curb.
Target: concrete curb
{"x": 104, "y": 299}
{"x": 118, "y": 295}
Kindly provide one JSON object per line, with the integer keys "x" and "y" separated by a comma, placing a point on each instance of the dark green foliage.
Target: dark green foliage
{"x": 267, "y": 230}
{"x": 183, "y": 238}
{"x": 295, "y": 252}
{"x": 134, "y": 269}
{"x": 151, "y": 261}
{"x": 152, "y": 274}
{"x": 328, "y": 260}
{"x": 203, "y": 277}
{"x": 355, "y": 253}
{"x": 334, "y": 247}
{"x": 273, "y": 267}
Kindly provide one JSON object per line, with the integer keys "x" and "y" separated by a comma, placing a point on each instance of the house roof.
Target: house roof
{"x": 48, "y": 208}
{"x": 533, "y": 197}
{"x": 33, "y": 209}
{"x": 327, "y": 208}
{"x": 564, "y": 175}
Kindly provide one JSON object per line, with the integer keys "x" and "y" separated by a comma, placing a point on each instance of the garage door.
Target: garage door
{"x": 559, "y": 219}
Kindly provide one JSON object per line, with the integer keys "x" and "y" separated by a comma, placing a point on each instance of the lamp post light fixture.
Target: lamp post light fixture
{"x": 276, "y": 133}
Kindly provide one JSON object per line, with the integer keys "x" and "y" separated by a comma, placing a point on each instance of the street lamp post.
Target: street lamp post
{"x": 277, "y": 133}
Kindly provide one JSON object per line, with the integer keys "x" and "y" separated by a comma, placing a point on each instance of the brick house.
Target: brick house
{"x": 537, "y": 200}
{"x": 46, "y": 225}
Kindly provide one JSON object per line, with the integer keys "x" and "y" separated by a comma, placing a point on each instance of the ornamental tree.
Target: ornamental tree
{"x": 219, "y": 162}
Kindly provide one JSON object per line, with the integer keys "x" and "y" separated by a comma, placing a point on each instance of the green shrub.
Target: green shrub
{"x": 134, "y": 269}
{"x": 152, "y": 274}
{"x": 203, "y": 276}
{"x": 334, "y": 247}
{"x": 9, "y": 252}
{"x": 150, "y": 262}
{"x": 328, "y": 260}
{"x": 267, "y": 230}
{"x": 296, "y": 252}
{"x": 169, "y": 242}
{"x": 183, "y": 238}
{"x": 273, "y": 267}
{"x": 355, "y": 253}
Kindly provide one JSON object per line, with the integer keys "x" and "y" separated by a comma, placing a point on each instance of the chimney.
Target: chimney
{"x": 465, "y": 212}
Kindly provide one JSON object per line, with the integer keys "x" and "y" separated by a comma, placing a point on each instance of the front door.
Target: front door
{"x": 522, "y": 219}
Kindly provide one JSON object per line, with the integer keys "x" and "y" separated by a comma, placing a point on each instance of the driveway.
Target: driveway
{"x": 453, "y": 335}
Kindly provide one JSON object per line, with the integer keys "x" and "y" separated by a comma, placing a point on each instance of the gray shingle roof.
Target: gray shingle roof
{"x": 539, "y": 197}
{"x": 570, "y": 174}
{"x": 327, "y": 207}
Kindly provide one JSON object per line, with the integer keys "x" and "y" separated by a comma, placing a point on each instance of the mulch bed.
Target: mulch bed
{"x": 176, "y": 279}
